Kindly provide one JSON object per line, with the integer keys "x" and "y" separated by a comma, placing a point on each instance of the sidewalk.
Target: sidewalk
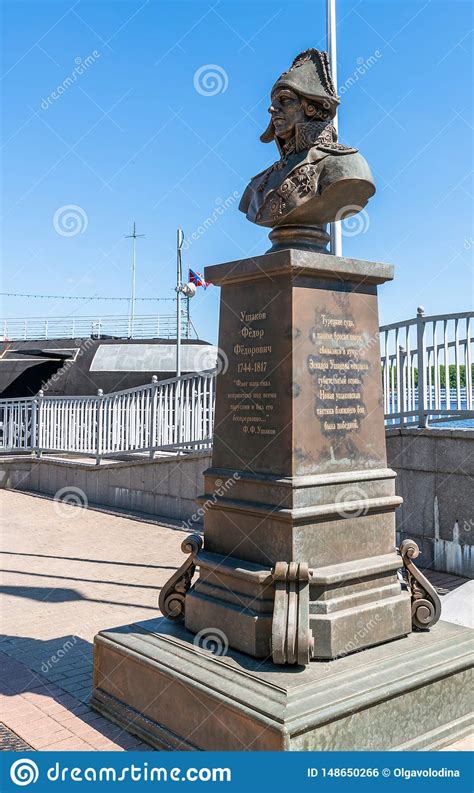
{"x": 46, "y": 717}
{"x": 66, "y": 574}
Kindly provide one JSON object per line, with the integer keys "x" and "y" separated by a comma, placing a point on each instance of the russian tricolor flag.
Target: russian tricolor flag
{"x": 197, "y": 279}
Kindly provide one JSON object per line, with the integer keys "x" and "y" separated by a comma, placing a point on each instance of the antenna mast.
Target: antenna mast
{"x": 131, "y": 317}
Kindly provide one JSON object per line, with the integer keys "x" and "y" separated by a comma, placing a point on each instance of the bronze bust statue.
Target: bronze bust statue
{"x": 316, "y": 180}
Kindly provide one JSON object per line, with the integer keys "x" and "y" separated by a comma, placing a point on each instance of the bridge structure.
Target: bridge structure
{"x": 426, "y": 369}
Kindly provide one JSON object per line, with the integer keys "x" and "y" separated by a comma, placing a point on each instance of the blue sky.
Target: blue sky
{"x": 140, "y": 134}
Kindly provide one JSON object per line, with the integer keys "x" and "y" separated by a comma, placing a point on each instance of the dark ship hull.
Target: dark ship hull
{"x": 74, "y": 367}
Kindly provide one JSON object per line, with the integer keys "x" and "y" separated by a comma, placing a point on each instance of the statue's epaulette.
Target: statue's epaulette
{"x": 337, "y": 148}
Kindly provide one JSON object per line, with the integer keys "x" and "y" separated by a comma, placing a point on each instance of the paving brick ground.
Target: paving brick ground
{"x": 67, "y": 573}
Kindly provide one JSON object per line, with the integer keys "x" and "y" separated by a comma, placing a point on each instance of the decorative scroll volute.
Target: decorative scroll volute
{"x": 292, "y": 640}
{"x": 173, "y": 594}
{"x": 425, "y": 603}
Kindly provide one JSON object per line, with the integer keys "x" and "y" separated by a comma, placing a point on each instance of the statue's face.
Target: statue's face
{"x": 286, "y": 111}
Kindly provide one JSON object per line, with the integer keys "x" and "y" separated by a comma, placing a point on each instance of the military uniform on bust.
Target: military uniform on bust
{"x": 317, "y": 179}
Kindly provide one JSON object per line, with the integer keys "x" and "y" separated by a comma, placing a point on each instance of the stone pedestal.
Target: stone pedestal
{"x": 299, "y": 470}
{"x": 299, "y": 476}
{"x": 153, "y": 680}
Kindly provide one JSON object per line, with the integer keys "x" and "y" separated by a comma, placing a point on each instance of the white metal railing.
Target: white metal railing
{"x": 175, "y": 414}
{"x": 144, "y": 327}
{"x": 16, "y": 425}
{"x": 178, "y": 414}
{"x": 427, "y": 369}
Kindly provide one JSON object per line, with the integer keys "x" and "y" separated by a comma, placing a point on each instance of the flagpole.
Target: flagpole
{"x": 179, "y": 279}
{"x": 335, "y": 228}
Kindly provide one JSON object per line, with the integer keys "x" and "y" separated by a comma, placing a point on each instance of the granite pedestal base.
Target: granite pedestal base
{"x": 299, "y": 469}
{"x": 410, "y": 694}
{"x": 355, "y": 602}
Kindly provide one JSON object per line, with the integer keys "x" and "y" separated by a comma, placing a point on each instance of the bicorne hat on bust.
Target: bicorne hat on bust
{"x": 310, "y": 77}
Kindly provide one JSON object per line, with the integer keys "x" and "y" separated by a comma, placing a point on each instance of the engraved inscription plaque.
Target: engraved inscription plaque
{"x": 338, "y": 413}
{"x": 253, "y": 407}
{"x": 301, "y": 393}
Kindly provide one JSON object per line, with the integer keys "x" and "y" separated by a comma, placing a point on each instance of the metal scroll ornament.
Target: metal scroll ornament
{"x": 173, "y": 594}
{"x": 425, "y": 603}
{"x": 292, "y": 639}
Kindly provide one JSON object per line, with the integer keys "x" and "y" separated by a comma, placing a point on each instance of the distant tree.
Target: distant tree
{"x": 442, "y": 375}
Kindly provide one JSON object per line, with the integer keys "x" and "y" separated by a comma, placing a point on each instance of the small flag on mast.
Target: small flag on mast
{"x": 197, "y": 279}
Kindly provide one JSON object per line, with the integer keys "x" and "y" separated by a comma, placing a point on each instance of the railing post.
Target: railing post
{"x": 99, "y": 426}
{"x": 154, "y": 383}
{"x": 421, "y": 350}
{"x": 38, "y": 422}
{"x": 34, "y": 424}
{"x": 402, "y": 385}
{"x": 178, "y": 411}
